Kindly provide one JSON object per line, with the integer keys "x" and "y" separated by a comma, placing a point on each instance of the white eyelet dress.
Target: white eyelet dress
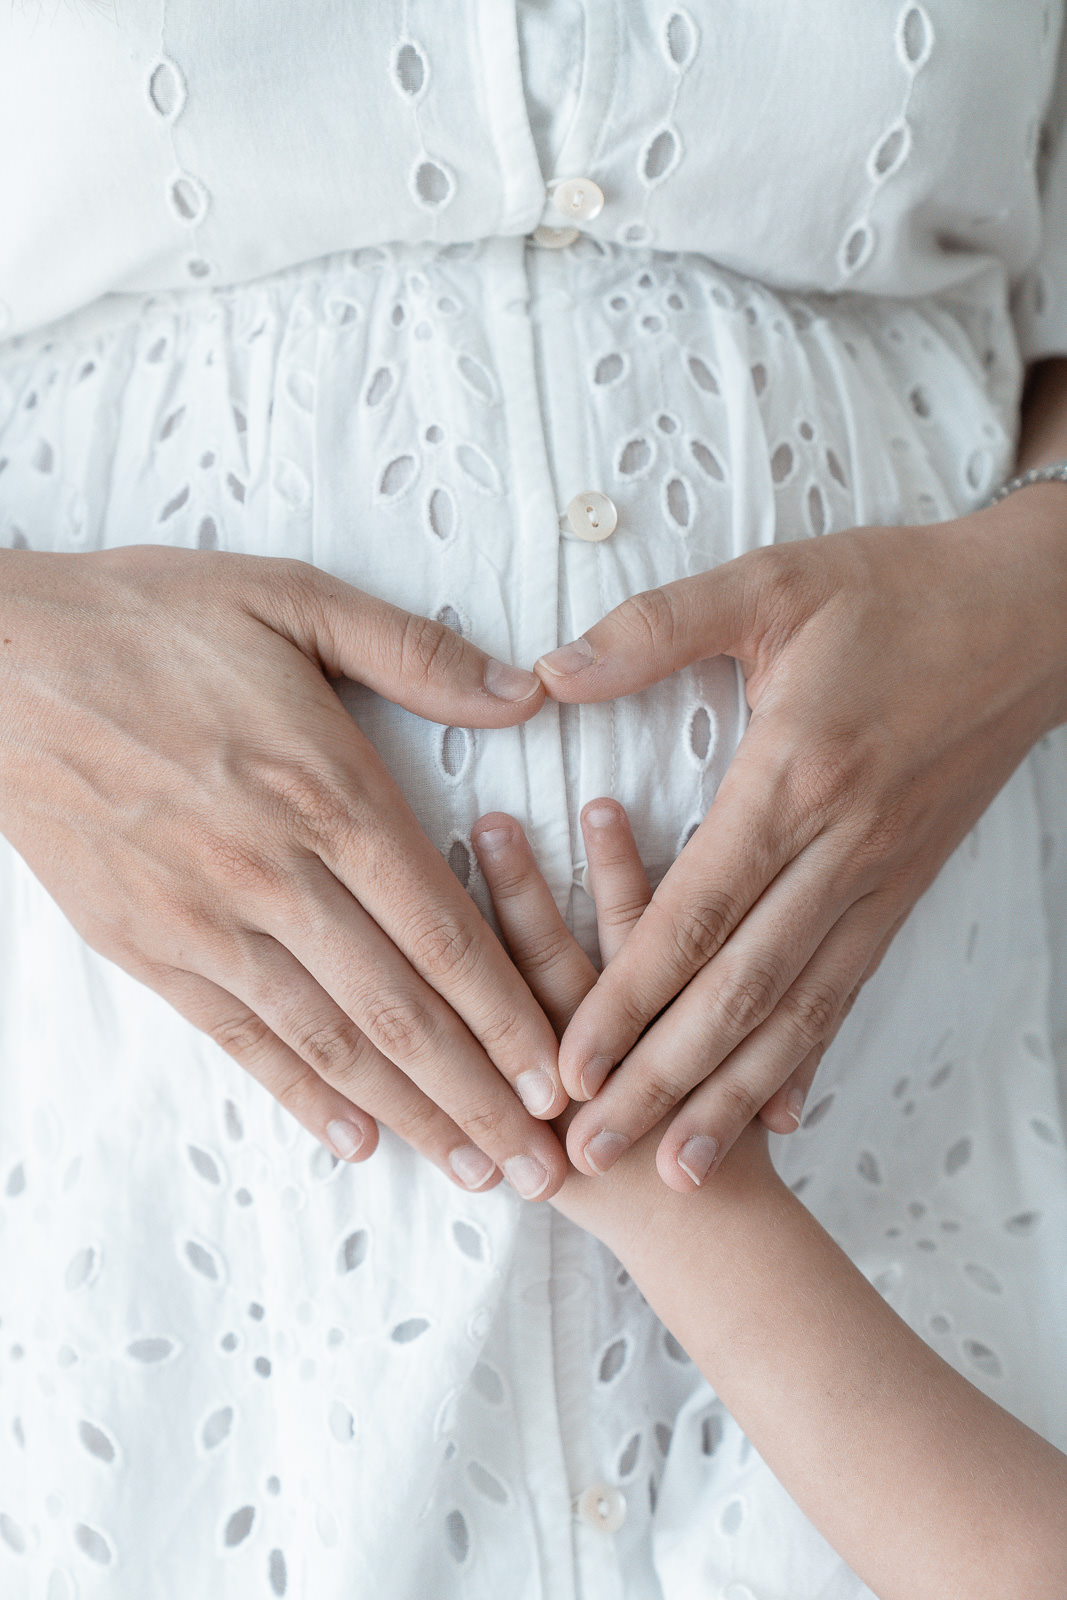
{"x": 504, "y": 311}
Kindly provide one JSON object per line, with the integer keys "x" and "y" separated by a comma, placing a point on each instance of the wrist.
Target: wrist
{"x": 1022, "y": 541}
{"x": 649, "y": 1226}
{"x": 713, "y": 1231}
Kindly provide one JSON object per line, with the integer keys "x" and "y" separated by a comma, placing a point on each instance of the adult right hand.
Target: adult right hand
{"x": 182, "y": 779}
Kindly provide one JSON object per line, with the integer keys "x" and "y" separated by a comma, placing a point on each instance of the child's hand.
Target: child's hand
{"x": 631, "y": 1195}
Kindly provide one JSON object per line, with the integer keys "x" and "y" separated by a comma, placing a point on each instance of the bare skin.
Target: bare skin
{"x": 896, "y": 678}
{"x": 179, "y": 774}
{"x": 923, "y": 1484}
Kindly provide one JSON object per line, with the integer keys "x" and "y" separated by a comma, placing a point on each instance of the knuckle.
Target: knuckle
{"x": 241, "y": 1034}
{"x": 483, "y": 1124}
{"x": 631, "y": 1011}
{"x": 427, "y": 649}
{"x": 445, "y": 947}
{"x": 824, "y": 782}
{"x": 398, "y": 1024}
{"x": 543, "y": 949}
{"x": 623, "y": 911}
{"x": 738, "y": 1102}
{"x": 783, "y": 587}
{"x": 700, "y": 931}
{"x": 310, "y": 800}
{"x": 622, "y": 1005}
{"x": 653, "y": 1098}
{"x": 503, "y": 1033}
{"x": 883, "y": 848}
{"x": 236, "y": 864}
{"x": 650, "y": 618}
{"x": 745, "y": 1000}
{"x": 294, "y": 1091}
{"x": 813, "y": 1008}
{"x": 299, "y": 582}
{"x": 421, "y": 1124}
{"x": 327, "y": 1047}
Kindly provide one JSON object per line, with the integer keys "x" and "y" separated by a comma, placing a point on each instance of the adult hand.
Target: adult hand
{"x": 896, "y": 677}
{"x": 179, "y": 774}
{"x": 630, "y": 1203}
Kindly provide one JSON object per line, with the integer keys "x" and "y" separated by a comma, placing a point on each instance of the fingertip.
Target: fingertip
{"x": 777, "y": 1117}
{"x": 370, "y": 1142}
{"x": 558, "y": 668}
{"x": 492, "y": 833}
{"x": 351, "y": 1138}
{"x": 533, "y": 1177}
{"x": 593, "y": 1075}
{"x": 556, "y": 1179}
{"x": 494, "y": 1180}
{"x": 521, "y": 691}
{"x": 671, "y": 1173}
{"x": 472, "y": 1169}
{"x": 601, "y": 813}
{"x": 541, "y": 1093}
{"x": 784, "y": 1111}
{"x": 560, "y": 1104}
{"x": 571, "y": 1078}
{"x": 575, "y": 1144}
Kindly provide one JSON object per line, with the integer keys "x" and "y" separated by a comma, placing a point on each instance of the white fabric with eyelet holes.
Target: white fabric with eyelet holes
{"x": 298, "y": 314}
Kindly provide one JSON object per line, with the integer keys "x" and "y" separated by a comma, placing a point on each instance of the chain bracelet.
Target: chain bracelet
{"x": 1056, "y": 472}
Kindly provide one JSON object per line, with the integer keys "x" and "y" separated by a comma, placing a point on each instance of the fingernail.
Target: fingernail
{"x": 794, "y": 1104}
{"x": 604, "y": 1149}
{"x": 345, "y": 1137}
{"x": 696, "y": 1157}
{"x": 526, "y": 1175}
{"x": 471, "y": 1165}
{"x": 599, "y": 816}
{"x": 569, "y": 658}
{"x": 536, "y": 1090}
{"x": 492, "y": 840}
{"x": 510, "y": 683}
{"x": 594, "y": 1074}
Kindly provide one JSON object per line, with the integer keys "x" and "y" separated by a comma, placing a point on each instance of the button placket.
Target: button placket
{"x": 570, "y": 200}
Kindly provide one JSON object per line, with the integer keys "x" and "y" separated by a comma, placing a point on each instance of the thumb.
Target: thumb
{"x": 414, "y": 661}
{"x": 653, "y": 634}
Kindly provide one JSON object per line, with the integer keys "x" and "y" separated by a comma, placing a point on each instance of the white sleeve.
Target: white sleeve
{"x": 1039, "y": 300}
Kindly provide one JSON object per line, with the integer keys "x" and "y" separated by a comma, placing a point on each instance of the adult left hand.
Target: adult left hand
{"x": 896, "y": 678}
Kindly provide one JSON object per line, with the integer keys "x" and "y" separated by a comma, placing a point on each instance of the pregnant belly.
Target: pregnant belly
{"x": 417, "y": 422}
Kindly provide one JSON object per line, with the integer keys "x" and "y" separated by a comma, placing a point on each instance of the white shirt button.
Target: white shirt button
{"x": 592, "y": 515}
{"x": 554, "y": 238}
{"x": 602, "y": 1507}
{"x": 577, "y": 199}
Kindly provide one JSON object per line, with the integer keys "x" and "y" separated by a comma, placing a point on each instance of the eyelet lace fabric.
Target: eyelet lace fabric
{"x": 229, "y": 1365}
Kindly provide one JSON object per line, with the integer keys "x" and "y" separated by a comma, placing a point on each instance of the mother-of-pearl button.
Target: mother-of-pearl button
{"x": 577, "y": 199}
{"x": 554, "y": 238}
{"x": 601, "y": 1506}
{"x": 592, "y": 515}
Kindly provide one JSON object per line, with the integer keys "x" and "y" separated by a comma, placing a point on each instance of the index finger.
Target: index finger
{"x": 378, "y": 851}
{"x": 657, "y": 632}
{"x": 751, "y": 832}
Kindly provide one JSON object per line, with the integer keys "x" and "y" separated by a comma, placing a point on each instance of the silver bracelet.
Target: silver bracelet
{"x": 1056, "y": 473}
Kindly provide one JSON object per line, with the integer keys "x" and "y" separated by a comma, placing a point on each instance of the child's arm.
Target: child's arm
{"x": 924, "y": 1485}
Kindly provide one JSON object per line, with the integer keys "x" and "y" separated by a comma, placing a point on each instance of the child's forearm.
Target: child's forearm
{"x": 925, "y": 1486}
